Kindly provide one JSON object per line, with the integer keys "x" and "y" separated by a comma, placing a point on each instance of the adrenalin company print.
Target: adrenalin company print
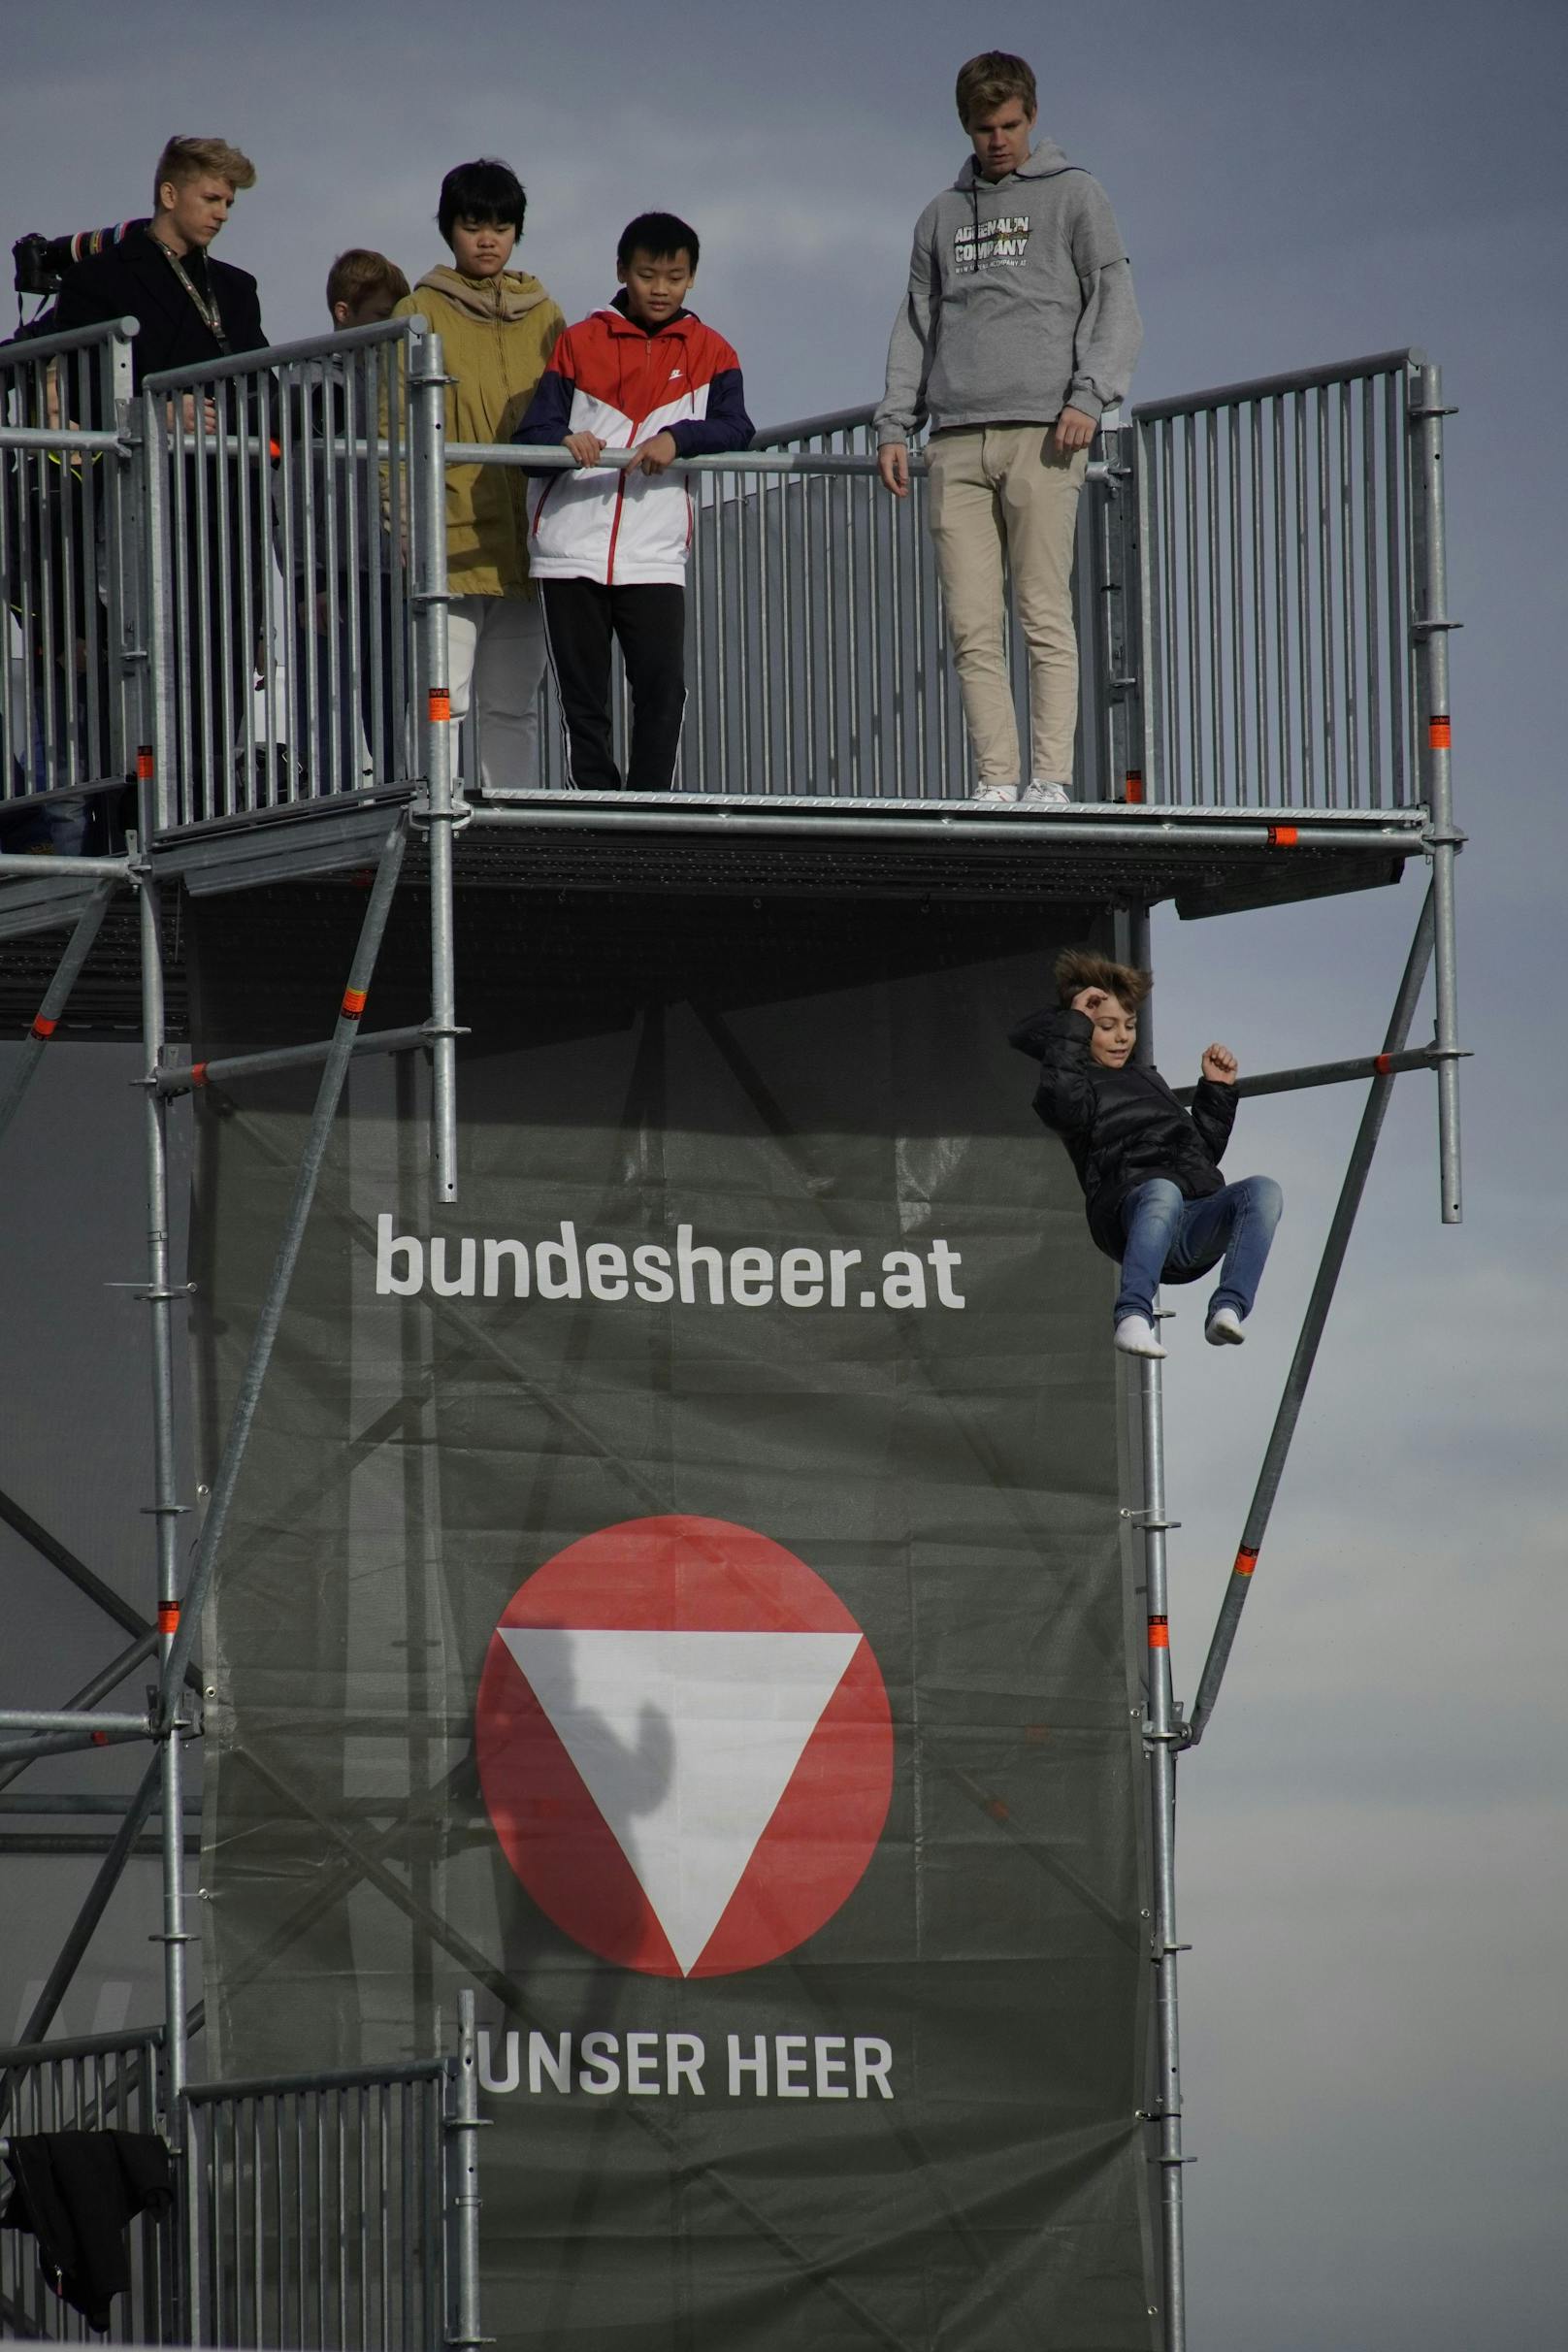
{"x": 685, "y": 1746}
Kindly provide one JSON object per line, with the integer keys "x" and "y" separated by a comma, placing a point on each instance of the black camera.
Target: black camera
{"x": 43, "y": 263}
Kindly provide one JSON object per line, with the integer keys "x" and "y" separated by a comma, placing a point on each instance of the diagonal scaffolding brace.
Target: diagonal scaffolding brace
{"x": 328, "y": 1094}
{"x": 56, "y": 996}
{"x": 1312, "y": 1329}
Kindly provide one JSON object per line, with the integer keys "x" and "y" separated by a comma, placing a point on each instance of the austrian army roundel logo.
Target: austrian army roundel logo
{"x": 685, "y": 1746}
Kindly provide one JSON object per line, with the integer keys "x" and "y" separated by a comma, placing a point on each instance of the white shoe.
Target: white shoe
{"x": 1223, "y": 1328}
{"x": 1046, "y": 796}
{"x": 994, "y": 792}
{"x": 1135, "y": 1336}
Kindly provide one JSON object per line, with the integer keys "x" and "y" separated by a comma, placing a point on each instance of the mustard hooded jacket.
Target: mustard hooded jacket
{"x": 496, "y": 334}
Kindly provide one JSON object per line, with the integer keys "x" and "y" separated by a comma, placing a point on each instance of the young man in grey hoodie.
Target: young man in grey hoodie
{"x": 1018, "y": 329}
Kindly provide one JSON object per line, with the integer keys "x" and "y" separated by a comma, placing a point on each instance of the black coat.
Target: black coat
{"x": 76, "y": 2190}
{"x": 133, "y": 281}
{"x": 1122, "y": 1127}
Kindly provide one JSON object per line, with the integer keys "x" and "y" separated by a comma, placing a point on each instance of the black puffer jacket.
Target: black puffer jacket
{"x": 1123, "y": 1126}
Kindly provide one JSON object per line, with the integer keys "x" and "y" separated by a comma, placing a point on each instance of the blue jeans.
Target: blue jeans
{"x": 1179, "y": 1240}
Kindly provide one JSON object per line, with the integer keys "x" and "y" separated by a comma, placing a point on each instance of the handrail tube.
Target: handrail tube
{"x": 82, "y": 2045}
{"x": 25, "y": 349}
{"x": 1270, "y": 387}
{"x": 74, "y": 869}
{"x": 331, "y": 2078}
{"x": 283, "y": 355}
{"x": 1002, "y": 832}
{"x": 554, "y": 459}
{"x": 61, "y": 436}
{"x": 811, "y": 428}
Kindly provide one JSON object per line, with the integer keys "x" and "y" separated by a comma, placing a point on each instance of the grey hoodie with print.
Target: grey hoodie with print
{"x": 1020, "y": 302}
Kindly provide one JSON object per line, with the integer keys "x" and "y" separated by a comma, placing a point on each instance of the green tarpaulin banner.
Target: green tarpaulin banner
{"x": 681, "y": 1591}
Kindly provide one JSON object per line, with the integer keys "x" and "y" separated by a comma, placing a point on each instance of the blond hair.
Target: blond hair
{"x": 185, "y": 159}
{"x": 360, "y": 272}
{"x": 1079, "y": 967}
{"x": 988, "y": 80}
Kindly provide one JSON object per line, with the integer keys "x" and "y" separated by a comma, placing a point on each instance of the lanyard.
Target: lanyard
{"x": 206, "y": 304}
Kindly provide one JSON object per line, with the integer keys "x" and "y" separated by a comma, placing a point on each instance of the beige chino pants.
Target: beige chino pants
{"x": 1008, "y": 491}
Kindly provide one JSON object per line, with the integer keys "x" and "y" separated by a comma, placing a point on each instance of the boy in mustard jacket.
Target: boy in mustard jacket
{"x": 498, "y": 328}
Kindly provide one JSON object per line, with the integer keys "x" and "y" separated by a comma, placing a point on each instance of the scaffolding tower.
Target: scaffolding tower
{"x": 1264, "y": 718}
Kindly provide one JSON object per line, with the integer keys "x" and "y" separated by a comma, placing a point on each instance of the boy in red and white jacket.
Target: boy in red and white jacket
{"x": 608, "y": 549}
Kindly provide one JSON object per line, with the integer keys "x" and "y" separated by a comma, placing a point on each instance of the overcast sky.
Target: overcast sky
{"x": 1371, "y": 1836}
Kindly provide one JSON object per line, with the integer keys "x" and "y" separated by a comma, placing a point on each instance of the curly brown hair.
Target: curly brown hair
{"x": 1080, "y": 967}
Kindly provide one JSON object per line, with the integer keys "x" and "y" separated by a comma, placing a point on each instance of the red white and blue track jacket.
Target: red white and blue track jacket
{"x": 610, "y": 376}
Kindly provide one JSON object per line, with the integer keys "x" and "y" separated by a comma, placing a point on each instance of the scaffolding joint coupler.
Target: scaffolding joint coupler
{"x": 457, "y": 816}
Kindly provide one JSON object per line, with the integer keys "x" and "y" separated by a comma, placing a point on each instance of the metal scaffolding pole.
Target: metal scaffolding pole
{"x": 1312, "y": 1329}
{"x": 288, "y": 1057}
{"x": 463, "y": 2124}
{"x": 56, "y": 996}
{"x": 1162, "y": 1737}
{"x": 1432, "y": 627}
{"x": 166, "y": 1510}
{"x": 176, "y": 1658}
{"x": 427, "y": 394}
{"x": 1327, "y": 1073}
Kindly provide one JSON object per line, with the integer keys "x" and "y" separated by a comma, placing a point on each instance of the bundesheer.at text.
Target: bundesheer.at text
{"x": 562, "y": 1265}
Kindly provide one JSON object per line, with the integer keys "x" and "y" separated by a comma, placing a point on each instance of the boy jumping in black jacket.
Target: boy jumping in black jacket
{"x": 1150, "y": 1170}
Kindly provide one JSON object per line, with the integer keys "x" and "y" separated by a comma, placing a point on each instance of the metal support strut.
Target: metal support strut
{"x": 226, "y": 1478}
{"x": 1432, "y": 628}
{"x": 1162, "y": 1737}
{"x": 166, "y": 1508}
{"x": 462, "y": 2124}
{"x": 1314, "y": 1320}
{"x": 427, "y": 390}
{"x": 56, "y": 995}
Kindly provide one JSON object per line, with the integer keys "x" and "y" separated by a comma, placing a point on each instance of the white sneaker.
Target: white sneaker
{"x": 1046, "y": 796}
{"x": 1223, "y": 1328}
{"x": 994, "y": 792}
{"x": 1135, "y": 1336}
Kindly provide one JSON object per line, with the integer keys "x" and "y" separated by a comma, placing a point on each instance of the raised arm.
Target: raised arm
{"x": 1214, "y": 1099}
{"x": 1058, "y": 1040}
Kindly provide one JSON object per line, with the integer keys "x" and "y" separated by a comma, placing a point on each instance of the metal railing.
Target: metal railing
{"x": 816, "y": 661}
{"x": 230, "y": 575}
{"x": 313, "y": 2210}
{"x": 1267, "y": 552}
{"x": 64, "y": 554}
{"x": 96, "y": 2082}
{"x": 325, "y": 2212}
{"x": 284, "y": 616}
